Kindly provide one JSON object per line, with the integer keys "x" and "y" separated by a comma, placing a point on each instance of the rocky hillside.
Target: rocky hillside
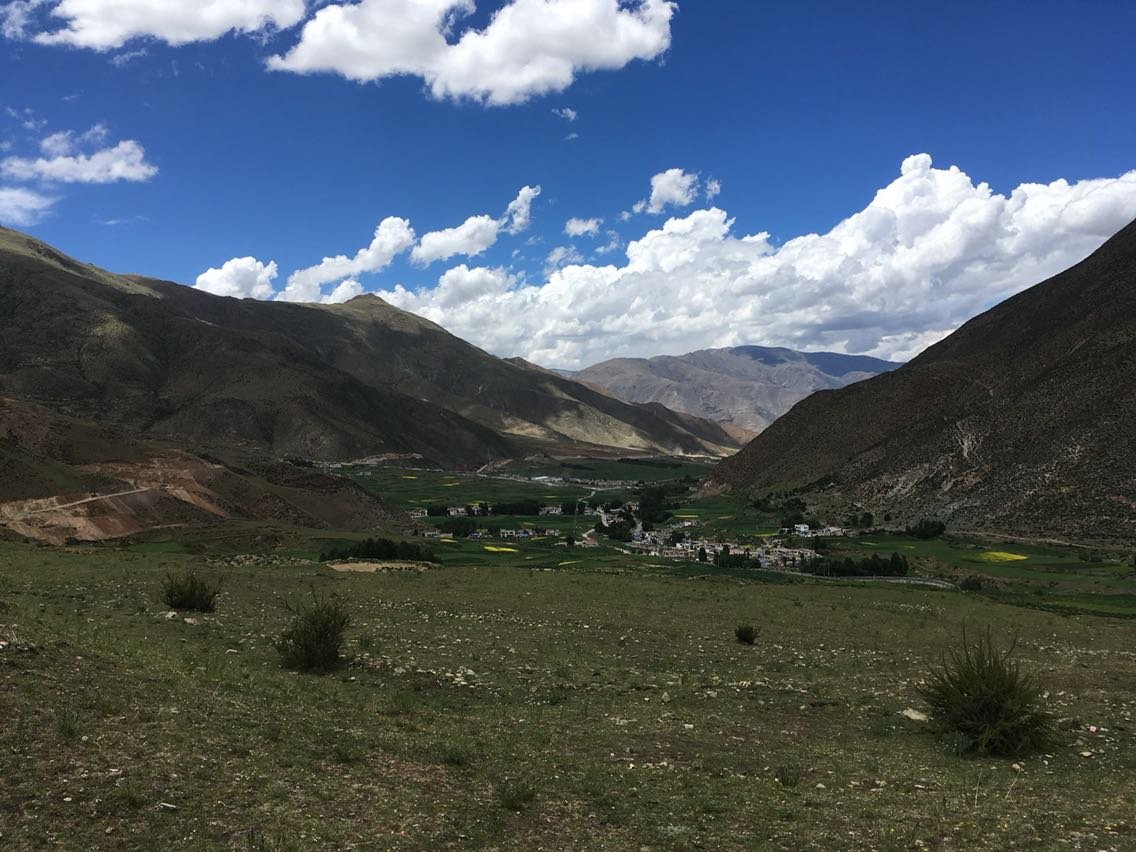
{"x": 746, "y": 387}
{"x": 63, "y": 479}
{"x": 330, "y": 382}
{"x": 1021, "y": 421}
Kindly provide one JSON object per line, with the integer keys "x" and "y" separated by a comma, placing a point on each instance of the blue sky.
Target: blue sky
{"x": 802, "y": 112}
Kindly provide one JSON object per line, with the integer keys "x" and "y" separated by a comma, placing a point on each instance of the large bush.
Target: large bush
{"x": 983, "y": 695}
{"x": 187, "y": 591}
{"x": 314, "y": 639}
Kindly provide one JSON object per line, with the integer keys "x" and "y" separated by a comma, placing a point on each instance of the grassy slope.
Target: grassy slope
{"x": 620, "y": 700}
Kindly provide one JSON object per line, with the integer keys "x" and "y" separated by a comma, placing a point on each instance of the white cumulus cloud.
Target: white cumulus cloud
{"x": 579, "y": 227}
{"x": 241, "y": 277}
{"x": 344, "y": 291}
{"x": 392, "y": 237}
{"x": 471, "y": 237}
{"x": 932, "y": 249}
{"x": 566, "y": 113}
{"x": 518, "y": 215}
{"x": 529, "y": 47}
{"x": 22, "y": 207}
{"x": 109, "y": 24}
{"x": 674, "y": 187}
{"x": 126, "y": 161}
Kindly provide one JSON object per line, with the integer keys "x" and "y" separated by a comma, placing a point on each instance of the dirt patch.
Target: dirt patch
{"x": 164, "y": 491}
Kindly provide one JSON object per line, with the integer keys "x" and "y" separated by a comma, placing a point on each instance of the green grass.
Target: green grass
{"x": 408, "y": 489}
{"x": 157, "y": 547}
{"x": 728, "y": 517}
{"x": 490, "y": 705}
{"x": 1059, "y": 578}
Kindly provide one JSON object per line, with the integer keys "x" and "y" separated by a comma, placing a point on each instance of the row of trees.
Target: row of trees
{"x": 380, "y": 548}
{"x": 871, "y": 566}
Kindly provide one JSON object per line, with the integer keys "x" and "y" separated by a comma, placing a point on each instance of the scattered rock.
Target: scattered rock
{"x": 914, "y": 715}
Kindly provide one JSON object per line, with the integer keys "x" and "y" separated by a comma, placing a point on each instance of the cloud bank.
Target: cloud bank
{"x": 529, "y": 48}
{"x": 109, "y": 24}
{"x": 931, "y": 250}
{"x": 392, "y": 237}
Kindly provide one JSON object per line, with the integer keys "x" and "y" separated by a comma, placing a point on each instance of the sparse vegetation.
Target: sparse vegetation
{"x": 650, "y": 718}
{"x": 746, "y": 634}
{"x": 315, "y": 638}
{"x": 982, "y": 694}
{"x": 189, "y": 591}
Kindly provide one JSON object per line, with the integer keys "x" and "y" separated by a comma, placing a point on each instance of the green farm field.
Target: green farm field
{"x": 1031, "y": 575}
{"x": 410, "y": 489}
{"x": 600, "y": 704}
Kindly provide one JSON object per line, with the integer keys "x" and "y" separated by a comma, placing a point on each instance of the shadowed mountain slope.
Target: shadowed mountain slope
{"x": 317, "y": 381}
{"x": 1021, "y": 421}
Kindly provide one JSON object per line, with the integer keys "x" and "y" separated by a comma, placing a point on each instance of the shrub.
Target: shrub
{"x": 746, "y": 634}
{"x": 980, "y": 693}
{"x": 788, "y": 776}
{"x": 66, "y": 723}
{"x": 515, "y": 795}
{"x": 927, "y": 528}
{"x": 973, "y": 583}
{"x": 189, "y": 592}
{"x": 314, "y": 639}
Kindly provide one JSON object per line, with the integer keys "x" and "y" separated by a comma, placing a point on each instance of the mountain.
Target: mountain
{"x": 1020, "y": 422}
{"x": 327, "y": 382}
{"x": 746, "y": 386}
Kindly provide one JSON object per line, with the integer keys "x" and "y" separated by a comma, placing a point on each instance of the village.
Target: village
{"x": 678, "y": 539}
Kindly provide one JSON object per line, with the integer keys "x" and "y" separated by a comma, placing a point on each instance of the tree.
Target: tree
{"x": 702, "y": 554}
{"x": 677, "y": 537}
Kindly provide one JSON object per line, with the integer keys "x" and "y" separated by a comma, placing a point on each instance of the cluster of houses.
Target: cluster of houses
{"x": 485, "y": 510}
{"x": 774, "y": 555}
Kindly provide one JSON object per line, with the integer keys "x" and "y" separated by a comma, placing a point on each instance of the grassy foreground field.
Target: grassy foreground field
{"x": 504, "y": 707}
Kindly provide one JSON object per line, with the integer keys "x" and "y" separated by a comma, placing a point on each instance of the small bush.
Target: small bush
{"x": 515, "y": 795}
{"x": 314, "y": 639}
{"x": 973, "y": 583}
{"x": 187, "y": 591}
{"x": 927, "y": 528}
{"x": 66, "y": 723}
{"x": 746, "y": 634}
{"x": 788, "y": 776}
{"x": 980, "y": 693}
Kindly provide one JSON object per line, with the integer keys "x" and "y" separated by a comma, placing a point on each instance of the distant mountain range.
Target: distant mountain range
{"x": 1022, "y": 421}
{"x": 166, "y": 362}
{"x": 745, "y": 386}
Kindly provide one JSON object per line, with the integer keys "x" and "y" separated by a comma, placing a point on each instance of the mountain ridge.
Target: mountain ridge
{"x": 747, "y": 387}
{"x": 1020, "y": 421}
{"x": 327, "y": 382}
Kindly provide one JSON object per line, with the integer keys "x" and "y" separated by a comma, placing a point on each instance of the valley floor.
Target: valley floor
{"x": 512, "y": 708}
